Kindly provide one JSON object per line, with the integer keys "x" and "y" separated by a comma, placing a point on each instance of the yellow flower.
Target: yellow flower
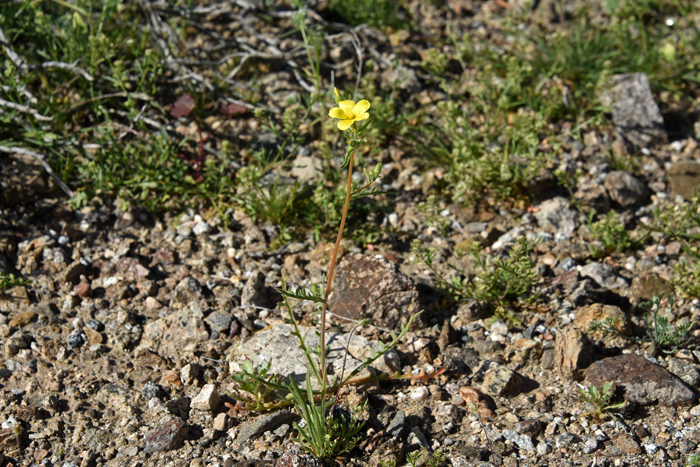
{"x": 348, "y": 112}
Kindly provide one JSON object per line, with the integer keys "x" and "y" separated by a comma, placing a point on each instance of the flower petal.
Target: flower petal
{"x": 361, "y": 107}
{"x": 348, "y": 107}
{"x": 344, "y": 124}
{"x": 337, "y": 112}
{"x": 361, "y": 117}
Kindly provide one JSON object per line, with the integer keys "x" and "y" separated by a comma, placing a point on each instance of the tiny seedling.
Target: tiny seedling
{"x": 664, "y": 336}
{"x": 599, "y": 399}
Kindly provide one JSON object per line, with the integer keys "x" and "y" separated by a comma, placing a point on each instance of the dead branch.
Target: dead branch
{"x": 42, "y": 160}
{"x": 25, "y": 109}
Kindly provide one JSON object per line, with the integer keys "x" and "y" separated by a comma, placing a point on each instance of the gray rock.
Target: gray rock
{"x": 567, "y": 439}
{"x": 201, "y": 228}
{"x": 635, "y": 113}
{"x": 278, "y": 346}
{"x": 644, "y": 382}
{"x": 684, "y": 178}
{"x": 255, "y": 428}
{"x": 604, "y": 275}
{"x": 557, "y": 215}
{"x": 219, "y": 322}
{"x": 397, "y": 425}
{"x": 500, "y": 381}
{"x": 522, "y": 441}
{"x": 307, "y": 168}
{"x": 590, "y": 445}
{"x": 372, "y": 287}
{"x": 169, "y": 435}
{"x": 625, "y": 189}
{"x": 151, "y": 390}
{"x": 684, "y": 371}
{"x": 361, "y": 348}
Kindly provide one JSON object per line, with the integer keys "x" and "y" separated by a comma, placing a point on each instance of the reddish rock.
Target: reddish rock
{"x": 167, "y": 436}
{"x": 371, "y": 287}
{"x": 483, "y": 402}
{"x": 83, "y": 289}
{"x": 643, "y": 382}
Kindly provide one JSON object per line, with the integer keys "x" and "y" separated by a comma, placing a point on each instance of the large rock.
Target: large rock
{"x": 625, "y": 189}
{"x": 644, "y": 382}
{"x": 371, "y": 287}
{"x": 604, "y": 275}
{"x": 278, "y": 346}
{"x": 684, "y": 178}
{"x": 599, "y": 312}
{"x": 635, "y": 113}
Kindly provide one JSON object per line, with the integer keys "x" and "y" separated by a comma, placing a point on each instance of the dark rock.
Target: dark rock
{"x": 531, "y": 426}
{"x": 219, "y": 322}
{"x": 73, "y": 272}
{"x": 460, "y": 359}
{"x": 397, "y": 425}
{"x": 625, "y": 190}
{"x": 251, "y": 430}
{"x": 76, "y": 339}
{"x": 644, "y": 382}
{"x": 372, "y": 287}
{"x": 635, "y": 113}
{"x": 684, "y": 178}
{"x": 169, "y": 435}
{"x": 647, "y": 286}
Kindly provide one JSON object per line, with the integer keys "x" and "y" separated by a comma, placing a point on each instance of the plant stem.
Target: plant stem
{"x": 348, "y": 195}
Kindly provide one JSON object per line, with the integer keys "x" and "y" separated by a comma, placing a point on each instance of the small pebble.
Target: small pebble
{"x": 419, "y": 393}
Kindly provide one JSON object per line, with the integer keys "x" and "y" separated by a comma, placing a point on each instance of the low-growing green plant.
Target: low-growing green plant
{"x": 485, "y": 156}
{"x": 434, "y": 459}
{"x": 664, "y": 336}
{"x": 379, "y": 13}
{"x": 500, "y": 281}
{"x": 599, "y": 399}
{"x": 8, "y": 281}
{"x": 611, "y": 233}
{"x": 682, "y": 222}
{"x": 693, "y": 460}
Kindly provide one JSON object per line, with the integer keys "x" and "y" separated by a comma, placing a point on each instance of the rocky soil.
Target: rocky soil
{"x": 119, "y": 350}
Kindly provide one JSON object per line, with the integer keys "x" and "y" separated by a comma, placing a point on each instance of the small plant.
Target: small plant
{"x": 501, "y": 282}
{"x": 664, "y": 337}
{"x": 435, "y": 459}
{"x": 8, "y": 281}
{"x": 682, "y": 222}
{"x": 599, "y": 399}
{"x": 693, "y": 460}
{"x": 611, "y": 233}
